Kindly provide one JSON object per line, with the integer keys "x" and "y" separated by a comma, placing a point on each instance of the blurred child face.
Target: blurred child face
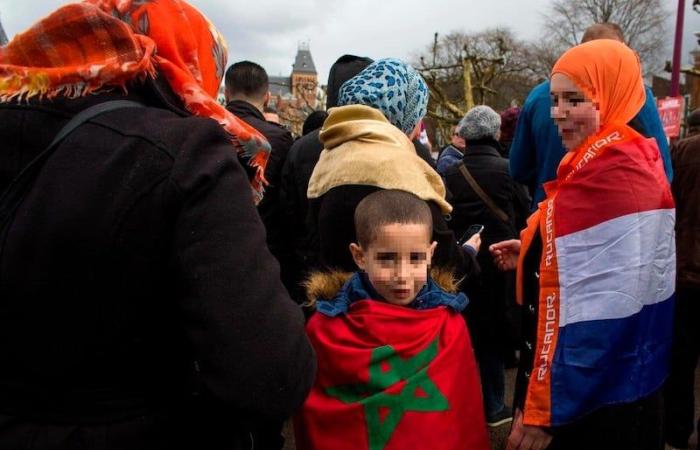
{"x": 397, "y": 261}
{"x": 575, "y": 114}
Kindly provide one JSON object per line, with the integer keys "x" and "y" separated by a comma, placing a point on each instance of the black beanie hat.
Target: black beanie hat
{"x": 346, "y": 67}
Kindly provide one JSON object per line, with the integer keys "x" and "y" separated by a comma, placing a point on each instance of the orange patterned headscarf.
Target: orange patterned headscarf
{"x": 96, "y": 45}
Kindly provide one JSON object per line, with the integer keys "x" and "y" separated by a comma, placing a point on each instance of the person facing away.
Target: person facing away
{"x": 367, "y": 148}
{"x": 247, "y": 93}
{"x": 452, "y": 153}
{"x": 396, "y": 369}
{"x": 679, "y": 401}
{"x": 313, "y": 122}
{"x": 537, "y": 147}
{"x": 301, "y": 235}
{"x": 141, "y": 309}
{"x": 492, "y": 296}
{"x": 509, "y": 119}
{"x": 596, "y": 269}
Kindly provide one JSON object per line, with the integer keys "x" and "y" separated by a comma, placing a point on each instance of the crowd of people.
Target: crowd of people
{"x": 176, "y": 273}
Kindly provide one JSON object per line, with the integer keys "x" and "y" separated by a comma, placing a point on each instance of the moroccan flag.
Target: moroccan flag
{"x": 392, "y": 378}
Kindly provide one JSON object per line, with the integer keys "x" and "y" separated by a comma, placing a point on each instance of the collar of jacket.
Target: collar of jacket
{"x": 451, "y": 151}
{"x": 487, "y": 146}
{"x": 153, "y": 92}
{"x": 241, "y": 108}
{"x": 358, "y": 287}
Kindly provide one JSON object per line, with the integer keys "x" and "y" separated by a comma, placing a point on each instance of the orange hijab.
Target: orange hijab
{"x": 610, "y": 74}
{"x": 99, "y": 45}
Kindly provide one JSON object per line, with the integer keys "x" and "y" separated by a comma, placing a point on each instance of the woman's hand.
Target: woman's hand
{"x": 505, "y": 254}
{"x": 474, "y": 242}
{"x": 526, "y": 437}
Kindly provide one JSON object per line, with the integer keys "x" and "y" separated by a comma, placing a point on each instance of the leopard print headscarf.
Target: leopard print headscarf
{"x": 391, "y": 86}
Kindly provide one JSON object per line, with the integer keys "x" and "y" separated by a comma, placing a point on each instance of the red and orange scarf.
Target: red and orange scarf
{"x": 96, "y": 45}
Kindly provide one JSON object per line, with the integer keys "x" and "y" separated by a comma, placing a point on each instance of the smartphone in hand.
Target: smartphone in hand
{"x": 471, "y": 231}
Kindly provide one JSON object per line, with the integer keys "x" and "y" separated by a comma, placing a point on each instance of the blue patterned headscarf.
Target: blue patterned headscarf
{"x": 392, "y": 87}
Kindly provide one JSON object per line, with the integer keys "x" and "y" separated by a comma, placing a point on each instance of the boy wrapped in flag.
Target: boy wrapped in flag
{"x": 396, "y": 368}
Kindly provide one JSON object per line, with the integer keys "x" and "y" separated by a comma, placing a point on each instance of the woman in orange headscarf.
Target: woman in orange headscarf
{"x": 139, "y": 305}
{"x": 136, "y": 43}
{"x": 596, "y": 269}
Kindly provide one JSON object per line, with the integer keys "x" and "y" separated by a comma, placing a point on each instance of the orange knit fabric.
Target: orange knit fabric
{"x": 98, "y": 45}
{"x": 609, "y": 72}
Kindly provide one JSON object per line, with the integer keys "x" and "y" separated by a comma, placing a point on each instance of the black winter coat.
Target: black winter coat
{"x": 280, "y": 140}
{"x": 685, "y": 155}
{"x": 279, "y": 137}
{"x": 135, "y": 273}
{"x": 298, "y": 235}
{"x": 493, "y": 295}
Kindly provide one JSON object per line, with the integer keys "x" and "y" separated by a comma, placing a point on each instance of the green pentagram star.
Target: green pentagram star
{"x": 386, "y": 369}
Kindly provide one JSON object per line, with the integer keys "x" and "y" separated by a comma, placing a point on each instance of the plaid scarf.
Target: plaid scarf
{"x": 98, "y": 45}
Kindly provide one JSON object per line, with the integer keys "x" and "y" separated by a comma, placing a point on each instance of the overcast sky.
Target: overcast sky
{"x": 269, "y": 31}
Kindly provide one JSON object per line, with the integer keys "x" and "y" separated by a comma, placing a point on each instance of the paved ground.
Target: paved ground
{"x": 500, "y": 434}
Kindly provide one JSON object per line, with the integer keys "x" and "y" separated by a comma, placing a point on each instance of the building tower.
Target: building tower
{"x": 3, "y": 36}
{"x": 304, "y": 76}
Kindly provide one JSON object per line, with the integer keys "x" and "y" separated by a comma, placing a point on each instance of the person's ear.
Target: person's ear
{"x": 431, "y": 251}
{"x": 416, "y": 131}
{"x": 358, "y": 255}
{"x": 267, "y": 98}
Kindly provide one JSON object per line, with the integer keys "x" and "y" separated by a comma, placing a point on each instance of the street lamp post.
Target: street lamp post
{"x": 677, "y": 48}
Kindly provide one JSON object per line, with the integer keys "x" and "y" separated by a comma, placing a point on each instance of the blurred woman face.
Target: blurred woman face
{"x": 575, "y": 114}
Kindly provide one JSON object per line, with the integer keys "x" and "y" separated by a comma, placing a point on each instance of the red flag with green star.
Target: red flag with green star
{"x": 392, "y": 378}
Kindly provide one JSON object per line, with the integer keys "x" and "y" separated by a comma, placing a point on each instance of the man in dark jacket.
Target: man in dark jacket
{"x": 140, "y": 307}
{"x": 492, "y": 296}
{"x": 247, "y": 93}
{"x": 680, "y": 387}
{"x": 296, "y": 172}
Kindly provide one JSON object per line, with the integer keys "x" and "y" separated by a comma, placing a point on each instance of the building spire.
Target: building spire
{"x": 3, "y": 36}
{"x": 303, "y": 63}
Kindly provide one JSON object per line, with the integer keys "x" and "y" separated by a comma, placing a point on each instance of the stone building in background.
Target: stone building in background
{"x": 295, "y": 96}
{"x": 3, "y": 36}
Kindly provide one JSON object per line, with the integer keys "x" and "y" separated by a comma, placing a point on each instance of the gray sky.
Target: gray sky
{"x": 268, "y": 31}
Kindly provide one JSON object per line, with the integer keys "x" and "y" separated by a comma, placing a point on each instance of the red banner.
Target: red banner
{"x": 671, "y": 113}
{"x": 392, "y": 378}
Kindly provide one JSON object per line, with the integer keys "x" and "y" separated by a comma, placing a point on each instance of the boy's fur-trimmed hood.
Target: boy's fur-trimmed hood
{"x": 326, "y": 285}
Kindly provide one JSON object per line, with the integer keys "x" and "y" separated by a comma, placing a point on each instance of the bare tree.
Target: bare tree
{"x": 642, "y": 23}
{"x": 293, "y": 111}
{"x": 462, "y": 69}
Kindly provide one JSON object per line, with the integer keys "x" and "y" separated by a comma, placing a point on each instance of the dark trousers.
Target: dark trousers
{"x": 493, "y": 381}
{"x": 632, "y": 426}
{"x": 680, "y": 386}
